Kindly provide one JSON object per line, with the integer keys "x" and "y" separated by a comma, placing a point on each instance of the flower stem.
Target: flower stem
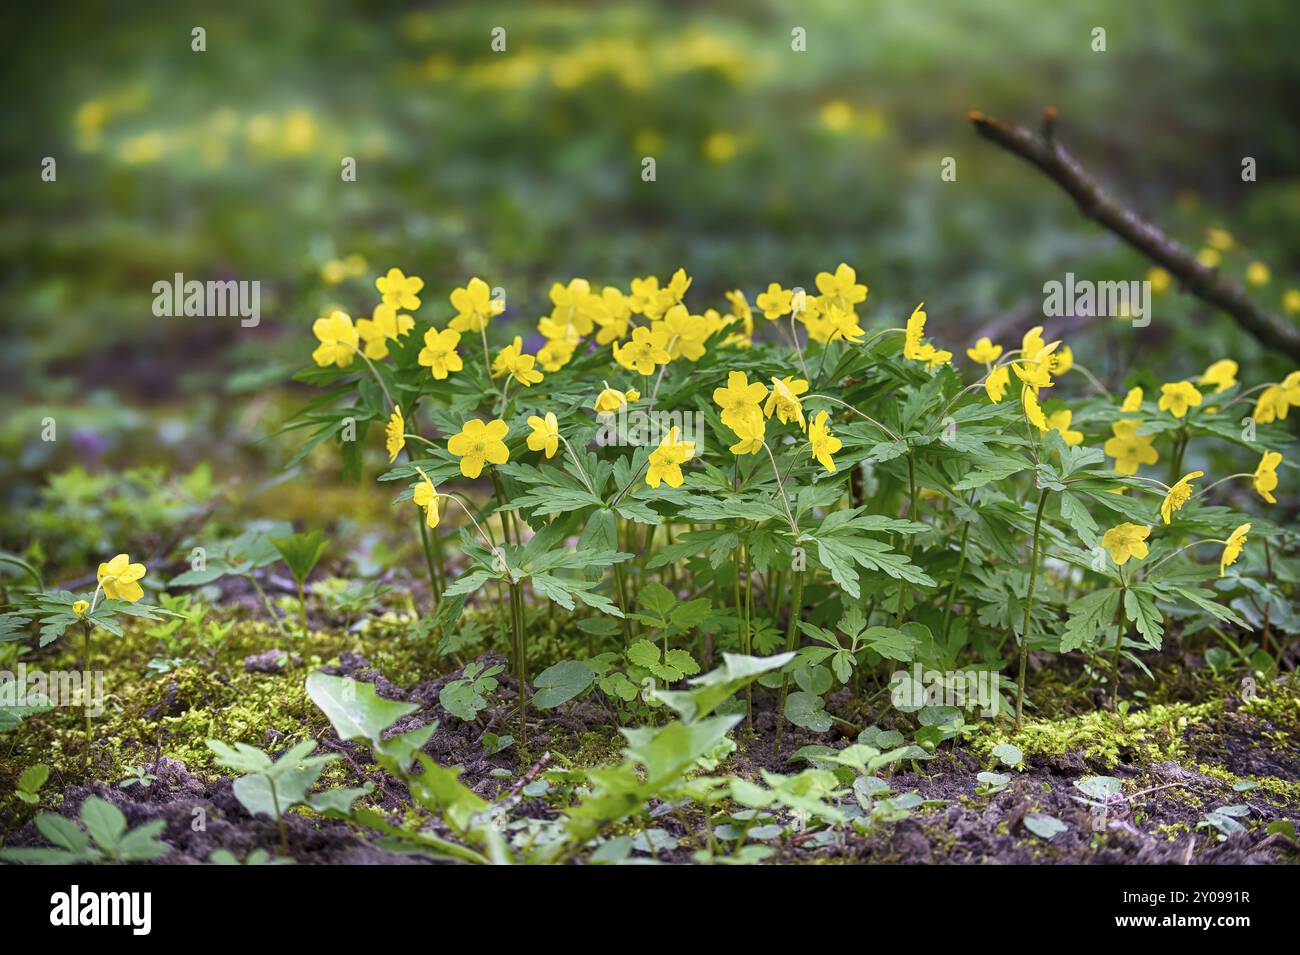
{"x": 791, "y": 641}
{"x": 956, "y": 579}
{"x": 1029, "y": 607}
{"x": 1120, "y": 629}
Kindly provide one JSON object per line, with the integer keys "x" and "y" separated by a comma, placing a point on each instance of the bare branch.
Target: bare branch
{"x": 1210, "y": 285}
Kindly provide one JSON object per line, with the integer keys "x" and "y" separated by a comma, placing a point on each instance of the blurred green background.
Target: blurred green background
{"x": 524, "y": 167}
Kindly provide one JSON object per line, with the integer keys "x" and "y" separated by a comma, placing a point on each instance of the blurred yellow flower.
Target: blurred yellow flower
{"x": 984, "y": 352}
{"x": 1217, "y": 238}
{"x": 837, "y": 115}
{"x": 1210, "y": 258}
{"x": 1291, "y": 300}
{"x": 1176, "y": 397}
{"x": 1272, "y": 405}
{"x": 1060, "y": 420}
{"x": 1222, "y": 374}
{"x": 720, "y": 147}
{"x": 474, "y": 306}
{"x": 384, "y": 324}
{"x": 1160, "y": 280}
{"x": 338, "y": 340}
{"x": 1132, "y": 400}
{"x": 996, "y": 383}
{"x": 1257, "y": 273}
{"x": 426, "y": 496}
{"x": 395, "y": 434}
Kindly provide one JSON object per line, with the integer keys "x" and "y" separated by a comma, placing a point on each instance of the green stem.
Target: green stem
{"x": 302, "y": 614}
{"x": 521, "y": 665}
{"x": 956, "y": 579}
{"x": 1029, "y": 607}
{"x": 279, "y": 816}
{"x": 907, "y": 547}
{"x": 791, "y": 641}
{"x": 1120, "y": 629}
{"x": 85, "y": 682}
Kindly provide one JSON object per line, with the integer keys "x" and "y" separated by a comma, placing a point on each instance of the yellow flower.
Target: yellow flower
{"x": 740, "y": 308}
{"x": 784, "y": 400}
{"x": 399, "y": 290}
{"x": 611, "y": 401}
{"x": 836, "y": 115}
{"x": 913, "y": 346}
{"x": 1033, "y": 410}
{"x": 996, "y": 383}
{"x": 555, "y": 354}
{"x": 646, "y": 349}
{"x": 1291, "y": 385}
{"x": 1132, "y": 400}
{"x": 571, "y": 306}
{"x": 1272, "y": 405}
{"x": 1126, "y": 540}
{"x": 1177, "y": 397}
{"x": 686, "y": 333}
{"x": 984, "y": 352}
{"x": 644, "y": 292}
{"x": 1032, "y": 343}
{"x": 824, "y": 444}
{"x": 338, "y": 340}
{"x": 118, "y": 579}
{"x": 665, "y": 298}
{"x": 1063, "y": 360}
{"x": 1210, "y": 258}
{"x": 80, "y": 607}
{"x": 478, "y": 444}
{"x": 1257, "y": 273}
{"x": 546, "y": 434}
{"x": 426, "y": 496}
{"x": 1222, "y": 374}
{"x": 739, "y": 402}
{"x": 748, "y": 444}
{"x": 666, "y": 460}
{"x": 1035, "y": 373}
{"x": 1160, "y": 280}
{"x": 775, "y": 302}
{"x": 1291, "y": 300}
{"x": 720, "y": 147}
{"x": 384, "y": 323}
{"x": 1060, "y": 420}
{"x": 611, "y": 311}
{"x": 513, "y": 362}
{"x": 1178, "y": 494}
{"x": 1232, "y": 547}
{"x": 842, "y": 288}
{"x": 395, "y": 434}
{"x": 1130, "y": 449}
{"x": 439, "y": 353}
{"x": 844, "y": 325}
{"x": 474, "y": 307}
{"x": 1218, "y": 238}
{"x": 1265, "y": 479}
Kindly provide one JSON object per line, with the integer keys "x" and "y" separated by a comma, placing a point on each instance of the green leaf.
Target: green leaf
{"x": 807, "y": 710}
{"x": 301, "y": 552}
{"x": 560, "y": 683}
{"x": 355, "y": 710}
{"x": 104, "y": 822}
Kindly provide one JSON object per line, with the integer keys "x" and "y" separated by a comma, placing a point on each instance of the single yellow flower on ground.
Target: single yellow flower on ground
{"x": 439, "y": 353}
{"x": 546, "y": 434}
{"x": 338, "y": 340}
{"x": 478, "y": 444}
{"x": 1232, "y": 547}
{"x": 739, "y": 402}
{"x": 666, "y": 460}
{"x": 1176, "y": 397}
{"x": 1132, "y": 400}
{"x": 474, "y": 306}
{"x": 395, "y": 434}
{"x": 426, "y": 496}
{"x": 1130, "y": 449}
{"x": 1222, "y": 374}
{"x": 775, "y": 302}
{"x": 1178, "y": 494}
{"x": 1060, "y": 420}
{"x": 1126, "y": 540}
{"x": 400, "y": 290}
{"x": 996, "y": 383}
{"x": 646, "y": 350}
{"x": 784, "y": 400}
{"x": 824, "y": 444}
{"x": 984, "y": 352}
{"x": 118, "y": 579}
{"x": 1265, "y": 479}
